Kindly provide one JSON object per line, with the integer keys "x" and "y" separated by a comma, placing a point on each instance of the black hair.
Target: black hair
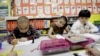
{"x": 65, "y": 19}
{"x": 84, "y": 13}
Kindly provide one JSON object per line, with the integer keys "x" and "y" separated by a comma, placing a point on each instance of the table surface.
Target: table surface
{"x": 27, "y": 48}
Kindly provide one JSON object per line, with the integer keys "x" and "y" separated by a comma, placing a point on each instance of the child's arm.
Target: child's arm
{"x": 67, "y": 30}
{"x": 50, "y": 31}
{"x": 93, "y": 28}
{"x": 35, "y": 34}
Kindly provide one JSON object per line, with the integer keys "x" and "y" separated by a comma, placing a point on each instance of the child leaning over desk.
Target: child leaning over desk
{"x": 82, "y": 25}
{"x": 24, "y": 31}
{"x": 58, "y": 27}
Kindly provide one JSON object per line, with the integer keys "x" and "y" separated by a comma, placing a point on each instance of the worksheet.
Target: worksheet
{"x": 66, "y": 1}
{"x": 33, "y": 2}
{"x": 24, "y": 43}
{"x": 32, "y": 9}
{"x": 26, "y": 10}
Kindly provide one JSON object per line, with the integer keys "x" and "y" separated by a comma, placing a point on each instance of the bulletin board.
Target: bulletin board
{"x": 54, "y": 7}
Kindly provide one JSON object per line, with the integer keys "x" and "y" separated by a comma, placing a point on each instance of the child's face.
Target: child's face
{"x": 83, "y": 20}
{"x": 61, "y": 22}
{"x": 23, "y": 27}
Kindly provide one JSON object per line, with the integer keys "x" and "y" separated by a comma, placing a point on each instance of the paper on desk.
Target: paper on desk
{"x": 6, "y": 52}
{"x": 93, "y": 36}
{"x": 24, "y": 43}
{"x": 59, "y": 37}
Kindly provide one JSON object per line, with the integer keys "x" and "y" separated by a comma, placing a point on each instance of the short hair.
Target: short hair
{"x": 84, "y": 13}
{"x": 22, "y": 19}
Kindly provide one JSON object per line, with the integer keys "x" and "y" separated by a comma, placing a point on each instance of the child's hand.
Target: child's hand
{"x": 87, "y": 31}
{"x": 23, "y": 39}
{"x": 53, "y": 37}
{"x": 92, "y": 51}
{"x": 12, "y": 54}
{"x": 14, "y": 41}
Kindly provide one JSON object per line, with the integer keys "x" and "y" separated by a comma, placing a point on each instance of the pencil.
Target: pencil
{"x": 14, "y": 44}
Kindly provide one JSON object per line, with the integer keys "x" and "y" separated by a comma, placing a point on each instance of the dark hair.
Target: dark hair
{"x": 84, "y": 13}
{"x": 65, "y": 18}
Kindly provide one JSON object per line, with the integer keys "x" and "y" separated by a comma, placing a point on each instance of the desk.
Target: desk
{"x": 27, "y": 48}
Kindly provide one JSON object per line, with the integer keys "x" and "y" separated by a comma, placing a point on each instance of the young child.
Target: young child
{"x": 58, "y": 27}
{"x": 24, "y": 31}
{"x": 82, "y": 25}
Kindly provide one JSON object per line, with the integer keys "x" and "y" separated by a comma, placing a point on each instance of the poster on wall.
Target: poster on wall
{"x": 32, "y": 9}
{"x": 55, "y": 7}
{"x": 18, "y": 11}
{"x": 47, "y": 9}
{"x": 25, "y": 10}
{"x": 32, "y": 2}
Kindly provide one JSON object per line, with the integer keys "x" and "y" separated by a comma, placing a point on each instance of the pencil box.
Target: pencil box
{"x": 80, "y": 44}
{"x": 54, "y": 46}
{"x": 0, "y": 45}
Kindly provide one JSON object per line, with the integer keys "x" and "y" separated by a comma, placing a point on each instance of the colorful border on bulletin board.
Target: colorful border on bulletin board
{"x": 54, "y": 7}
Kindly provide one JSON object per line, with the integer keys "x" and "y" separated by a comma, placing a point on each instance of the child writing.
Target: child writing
{"x": 24, "y": 31}
{"x": 58, "y": 27}
{"x": 82, "y": 25}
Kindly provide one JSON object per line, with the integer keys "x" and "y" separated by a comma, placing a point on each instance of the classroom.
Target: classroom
{"x": 49, "y": 27}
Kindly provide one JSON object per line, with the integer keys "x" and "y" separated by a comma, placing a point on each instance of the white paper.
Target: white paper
{"x": 32, "y": 1}
{"x": 72, "y": 2}
{"x": 88, "y": 1}
{"x": 95, "y": 9}
{"x": 46, "y": 1}
{"x": 54, "y": 8}
{"x": 18, "y": 2}
{"x": 54, "y": 1}
{"x": 78, "y": 1}
{"x": 60, "y": 1}
{"x": 83, "y": 1}
{"x": 84, "y": 8}
{"x": 24, "y": 43}
{"x": 25, "y": 10}
{"x": 67, "y": 9}
{"x": 61, "y": 9}
{"x": 93, "y": 36}
{"x": 66, "y": 1}
{"x": 59, "y": 37}
{"x": 18, "y": 10}
{"x": 98, "y": 1}
{"x": 73, "y": 10}
{"x": 93, "y": 1}
{"x": 98, "y": 8}
{"x": 32, "y": 9}
{"x": 89, "y": 8}
{"x": 40, "y": 9}
{"x": 39, "y": 1}
{"x": 25, "y": 1}
{"x": 78, "y": 9}
{"x": 47, "y": 9}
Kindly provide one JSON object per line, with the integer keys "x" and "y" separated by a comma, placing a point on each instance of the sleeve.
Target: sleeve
{"x": 10, "y": 37}
{"x": 74, "y": 28}
{"x": 93, "y": 28}
{"x": 35, "y": 34}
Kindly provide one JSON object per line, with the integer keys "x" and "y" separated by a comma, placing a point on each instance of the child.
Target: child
{"x": 82, "y": 25}
{"x": 24, "y": 30}
{"x": 58, "y": 27}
